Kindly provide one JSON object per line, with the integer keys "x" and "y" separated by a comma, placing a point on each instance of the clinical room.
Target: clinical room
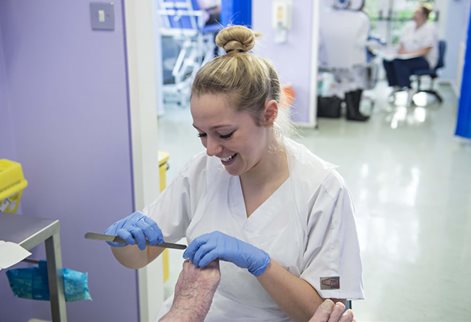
{"x": 223, "y": 160}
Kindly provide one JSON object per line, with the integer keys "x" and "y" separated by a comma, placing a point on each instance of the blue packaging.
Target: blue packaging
{"x": 32, "y": 283}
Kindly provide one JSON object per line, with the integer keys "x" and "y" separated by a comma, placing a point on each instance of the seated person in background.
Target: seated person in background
{"x": 195, "y": 289}
{"x": 417, "y": 50}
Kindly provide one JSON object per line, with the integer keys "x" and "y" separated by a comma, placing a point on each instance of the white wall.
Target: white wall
{"x": 454, "y": 18}
{"x": 296, "y": 59}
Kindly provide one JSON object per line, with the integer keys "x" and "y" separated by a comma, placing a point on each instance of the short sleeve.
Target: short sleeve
{"x": 332, "y": 263}
{"x": 172, "y": 210}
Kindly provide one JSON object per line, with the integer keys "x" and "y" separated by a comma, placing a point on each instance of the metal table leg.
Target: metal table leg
{"x": 56, "y": 283}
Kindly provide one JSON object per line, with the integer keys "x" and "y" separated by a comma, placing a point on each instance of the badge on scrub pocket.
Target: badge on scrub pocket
{"x": 330, "y": 283}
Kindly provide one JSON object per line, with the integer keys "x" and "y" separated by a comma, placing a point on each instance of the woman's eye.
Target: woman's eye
{"x": 202, "y": 135}
{"x": 226, "y": 136}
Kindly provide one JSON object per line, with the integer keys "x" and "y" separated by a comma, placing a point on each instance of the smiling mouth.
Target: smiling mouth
{"x": 229, "y": 158}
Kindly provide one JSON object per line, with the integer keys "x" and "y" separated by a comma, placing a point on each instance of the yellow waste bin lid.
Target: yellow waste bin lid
{"x": 11, "y": 178}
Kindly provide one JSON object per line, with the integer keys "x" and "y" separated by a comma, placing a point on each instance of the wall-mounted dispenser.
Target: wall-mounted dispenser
{"x": 282, "y": 12}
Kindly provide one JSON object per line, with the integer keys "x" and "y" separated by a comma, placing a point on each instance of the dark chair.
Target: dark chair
{"x": 432, "y": 73}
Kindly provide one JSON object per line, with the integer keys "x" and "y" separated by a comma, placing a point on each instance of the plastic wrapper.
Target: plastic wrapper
{"x": 32, "y": 283}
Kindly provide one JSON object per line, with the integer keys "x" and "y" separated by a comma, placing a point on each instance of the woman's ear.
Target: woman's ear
{"x": 269, "y": 113}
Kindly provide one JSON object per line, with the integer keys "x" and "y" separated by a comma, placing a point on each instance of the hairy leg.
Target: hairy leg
{"x": 194, "y": 293}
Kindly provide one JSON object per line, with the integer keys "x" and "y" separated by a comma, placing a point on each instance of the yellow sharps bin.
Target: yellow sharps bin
{"x": 163, "y": 167}
{"x": 12, "y": 184}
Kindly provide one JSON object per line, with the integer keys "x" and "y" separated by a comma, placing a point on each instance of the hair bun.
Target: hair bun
{"x": 238, "y": 38}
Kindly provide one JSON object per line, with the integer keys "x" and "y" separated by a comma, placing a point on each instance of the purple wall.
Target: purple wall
{"x": 292, "y": 59}
{"x": 69, "y": 128}
{"x": 6, "y": 138}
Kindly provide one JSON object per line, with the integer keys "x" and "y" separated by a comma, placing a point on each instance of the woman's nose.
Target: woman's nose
{"x": 212, "y": 147}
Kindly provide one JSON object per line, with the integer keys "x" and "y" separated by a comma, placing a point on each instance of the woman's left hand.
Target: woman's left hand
{"x": 216, "y": 245}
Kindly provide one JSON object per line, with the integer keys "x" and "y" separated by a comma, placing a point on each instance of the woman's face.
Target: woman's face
{"x": 231, "y": 135}
{"x": 419, "y": 16}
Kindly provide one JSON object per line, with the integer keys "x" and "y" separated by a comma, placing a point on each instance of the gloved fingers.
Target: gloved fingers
{"x": 139, "y": 237}
{"x": 151, "y": 231}
{"x": 201, "y": 252}
{"x": 135, "y": 216}
{"x": 194, "y": 246}
{"x": 115, "y": 244}
{"x": 208, "y": 258}
{"x": 120, "y": 224}
{"x": 214, "y": 264}
{"x": 149, "y": 221}
{"x": 146, "y": 229}
{"x": 131, "y": 220}
{"x": 126, "y": 236}
{"x": 339, "y": 307}
{"x": 347, "y": 316}
{"x": 111, "y": 230}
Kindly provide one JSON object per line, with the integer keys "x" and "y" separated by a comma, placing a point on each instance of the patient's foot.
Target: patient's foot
{"x": 194, "y": 293}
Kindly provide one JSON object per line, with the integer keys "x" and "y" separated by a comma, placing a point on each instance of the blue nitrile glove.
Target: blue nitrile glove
{"x": 216, "y": 245}
{"x": 136, "y": 229}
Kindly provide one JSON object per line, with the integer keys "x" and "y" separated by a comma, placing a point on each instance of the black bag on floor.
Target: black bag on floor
{"x": 329, "y": 106}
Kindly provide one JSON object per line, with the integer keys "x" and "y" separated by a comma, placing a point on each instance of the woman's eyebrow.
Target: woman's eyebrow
{"x": 195, "y": 127}
{"x": 214, "y": 127}
{"x": 220, "y": 126}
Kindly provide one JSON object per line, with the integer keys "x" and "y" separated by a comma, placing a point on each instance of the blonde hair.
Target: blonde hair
{"x": 249, "y": 80}
{"x": 426, "y": 10}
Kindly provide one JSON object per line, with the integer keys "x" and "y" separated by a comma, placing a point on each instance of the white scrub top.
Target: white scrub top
{"x": 306, "y": 225}
{"x": 344, "y": 36}
{"x": 426, "y": 36}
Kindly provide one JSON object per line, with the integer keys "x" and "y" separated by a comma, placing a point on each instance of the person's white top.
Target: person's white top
{"x": 413, "y": 39}
{"x": 344, "y": 34}
{"x": 306, "y": 225}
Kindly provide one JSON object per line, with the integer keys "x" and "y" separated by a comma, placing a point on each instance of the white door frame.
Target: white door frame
{"x": 143, "y": 84}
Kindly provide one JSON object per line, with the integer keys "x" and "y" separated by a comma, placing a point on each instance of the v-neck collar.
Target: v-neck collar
{"x": 262, "y": 214}
{"x": 263, "y": 211}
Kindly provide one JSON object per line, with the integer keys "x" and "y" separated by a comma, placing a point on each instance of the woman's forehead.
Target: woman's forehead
{"x": 217, "y": 98}
{"x": 210, "y": 106}
{"x": 215, "y": 111}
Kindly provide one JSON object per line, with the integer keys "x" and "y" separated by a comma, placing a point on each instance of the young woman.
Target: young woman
{"x": 278, "y": 218}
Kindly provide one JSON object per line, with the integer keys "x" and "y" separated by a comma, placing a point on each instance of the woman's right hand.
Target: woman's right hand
{"x": 136, "y": 228}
